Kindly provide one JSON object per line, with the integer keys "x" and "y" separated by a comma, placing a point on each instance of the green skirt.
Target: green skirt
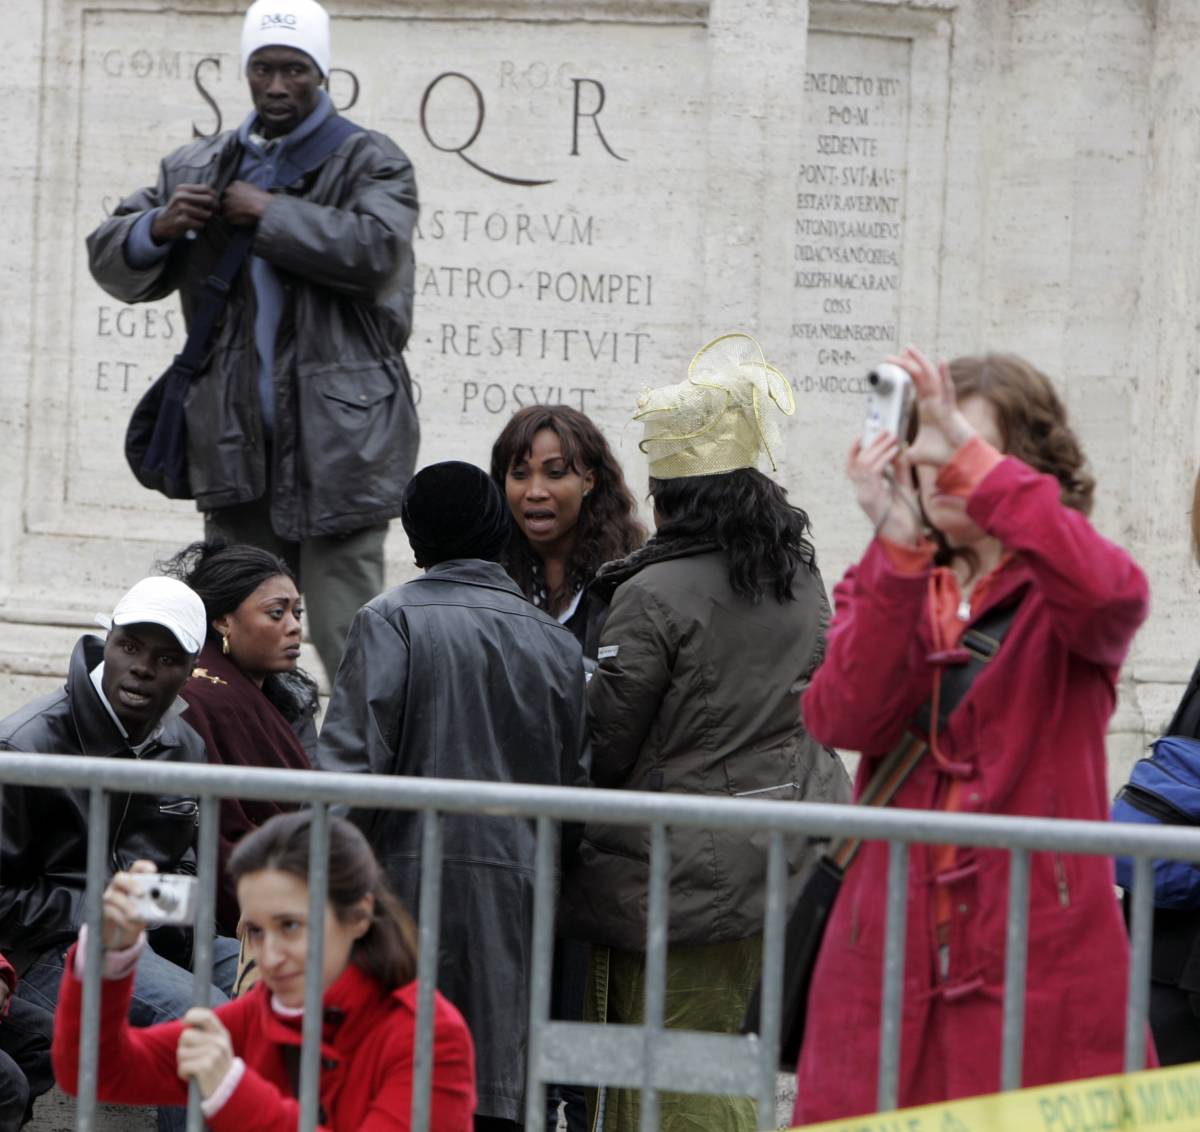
{"x": 708, "y": 988}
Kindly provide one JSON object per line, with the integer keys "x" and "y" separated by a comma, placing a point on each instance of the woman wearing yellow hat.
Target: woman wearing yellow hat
{"x": 715, "y": 626}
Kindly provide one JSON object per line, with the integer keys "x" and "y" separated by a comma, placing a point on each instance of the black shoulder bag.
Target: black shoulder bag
{"x": 156, "y": 437}
{"x": 806, "y": 924}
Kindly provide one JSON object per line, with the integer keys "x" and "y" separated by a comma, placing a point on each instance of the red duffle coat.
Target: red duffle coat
{"x": 366, "y": 1057}
{"x": 1031, "y": 736}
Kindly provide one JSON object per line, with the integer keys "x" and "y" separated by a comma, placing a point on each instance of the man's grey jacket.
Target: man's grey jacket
{"x": 345, "y": 432}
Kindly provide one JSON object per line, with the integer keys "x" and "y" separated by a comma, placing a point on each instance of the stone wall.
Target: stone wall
{"x": 607, "y": 184}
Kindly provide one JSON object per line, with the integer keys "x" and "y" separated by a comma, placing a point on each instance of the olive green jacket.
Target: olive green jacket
{"x": 697, "y": 692}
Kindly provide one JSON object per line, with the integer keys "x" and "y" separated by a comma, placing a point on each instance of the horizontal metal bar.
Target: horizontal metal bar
{"x": 622, "y": 807}
{"x": 684, "y": 1062}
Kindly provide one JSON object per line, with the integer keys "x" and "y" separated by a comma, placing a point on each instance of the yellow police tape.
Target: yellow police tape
{"x": 1156, "y": 1098}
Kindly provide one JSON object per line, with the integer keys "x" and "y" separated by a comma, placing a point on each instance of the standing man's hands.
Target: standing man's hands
{"x": 188, "y": 210}
{"x": 244, "y": 204}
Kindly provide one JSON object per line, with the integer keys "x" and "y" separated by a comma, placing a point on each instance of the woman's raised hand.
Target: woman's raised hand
{"x": 883, "y": 488}
{"x": 205, "y": 1050}
{"x": 943, "y": 429}
{"x": 121, "y": 927}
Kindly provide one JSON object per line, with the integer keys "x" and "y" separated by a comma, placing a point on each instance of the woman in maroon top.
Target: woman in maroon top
{"x": 242, "y": 1055}
{"x": 246, "y": 698}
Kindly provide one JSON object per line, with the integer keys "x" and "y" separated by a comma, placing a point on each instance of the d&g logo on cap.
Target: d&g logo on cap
{"x": 276, "y": 20}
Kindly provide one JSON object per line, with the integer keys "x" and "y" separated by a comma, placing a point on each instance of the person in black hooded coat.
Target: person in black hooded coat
{"x": 455, "y": 675}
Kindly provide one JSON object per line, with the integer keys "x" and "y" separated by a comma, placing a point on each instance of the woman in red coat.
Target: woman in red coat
{"x": 240, "y": 1053}
{"x": 1003, "y": 495}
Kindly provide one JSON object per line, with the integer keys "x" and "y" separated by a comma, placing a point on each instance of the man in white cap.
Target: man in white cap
{"x": 121, "y": 700}
{"x": 302, "y": 444}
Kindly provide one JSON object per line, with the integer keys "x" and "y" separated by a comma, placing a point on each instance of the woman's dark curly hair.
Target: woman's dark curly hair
{"x": 224, "y": 574}
{"x": 1033, "y": 425}
{"x": 747, "y": 514}
{"x": 608, "y": 524}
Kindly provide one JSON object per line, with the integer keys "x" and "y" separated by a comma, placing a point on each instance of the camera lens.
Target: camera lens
{"x": 873, "y": 377}
{"x": 164, "y": 898}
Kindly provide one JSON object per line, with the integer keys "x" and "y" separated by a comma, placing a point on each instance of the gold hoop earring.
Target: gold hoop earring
{"x": 225, "y": 644}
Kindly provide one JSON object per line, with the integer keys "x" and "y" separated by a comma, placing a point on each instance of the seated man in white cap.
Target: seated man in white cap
{"x": 303, "y": 444}
{"x": 121, "y": 700}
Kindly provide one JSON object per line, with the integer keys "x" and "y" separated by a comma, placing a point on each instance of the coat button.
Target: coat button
{"x": 362, "y": 396}
{"x": 328, "y": 1063}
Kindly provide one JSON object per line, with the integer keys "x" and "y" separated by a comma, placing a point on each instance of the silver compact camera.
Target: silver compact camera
{"x": 889, "y": 403}
{"x": 163, "y": 898}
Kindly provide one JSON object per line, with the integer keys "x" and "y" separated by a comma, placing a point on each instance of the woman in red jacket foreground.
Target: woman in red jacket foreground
{"x": 240, "y": 1053}
{"x": 1003, "y": 496}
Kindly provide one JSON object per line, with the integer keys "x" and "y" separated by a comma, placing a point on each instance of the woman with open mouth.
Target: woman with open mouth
{"x": 571, "y": 509}
{"x": 247, "y": 698}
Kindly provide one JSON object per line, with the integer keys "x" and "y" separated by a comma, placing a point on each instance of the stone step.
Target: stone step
{"x": 55, "y": 1112}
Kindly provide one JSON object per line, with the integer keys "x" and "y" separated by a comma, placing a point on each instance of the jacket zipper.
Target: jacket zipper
{"x": 116, "y": 837}
{"x": 793, "y": 785}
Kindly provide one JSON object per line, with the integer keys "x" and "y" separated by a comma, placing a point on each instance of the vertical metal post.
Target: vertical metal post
{"x": 1138, "y": 1002}
{"x": 893, "y": 976}
{"x": 544, "y": 877}
{"x": 93, "y": 916}
{"x": 314, "y": 989}
{"x": 656, "y": 971}
{"x": 427, "y": 965}
{"x": 1015, "y": 953}
{"x": 206, "y": 906}
{"x": 771, "y": 999}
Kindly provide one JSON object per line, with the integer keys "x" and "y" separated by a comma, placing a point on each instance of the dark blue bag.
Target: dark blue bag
{"x": 1164, "y": 789}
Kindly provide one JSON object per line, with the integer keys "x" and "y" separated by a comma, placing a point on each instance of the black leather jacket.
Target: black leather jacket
{"x": 340, "y": 239}
{"x": 456, "y": 675}
{"x": 43, "y": 839}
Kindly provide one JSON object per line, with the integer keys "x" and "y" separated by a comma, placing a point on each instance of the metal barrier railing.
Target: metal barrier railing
{"x": 646, "y": 1057}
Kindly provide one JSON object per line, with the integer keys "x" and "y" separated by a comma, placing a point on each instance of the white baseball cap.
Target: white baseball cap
{"x": 302, "y": 24}
{"x": 169, "y": 603}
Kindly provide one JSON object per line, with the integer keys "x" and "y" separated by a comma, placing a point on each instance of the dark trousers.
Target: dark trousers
{"x": 338, "y": 574}
{"x": 567, "y": 988}
{"x": 26, "y": 1032}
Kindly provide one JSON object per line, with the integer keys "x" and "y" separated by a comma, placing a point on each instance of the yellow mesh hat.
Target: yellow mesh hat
{"x": 713, "y": 422}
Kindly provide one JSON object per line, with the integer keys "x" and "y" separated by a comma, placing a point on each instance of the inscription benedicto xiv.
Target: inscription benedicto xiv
{"x": 850, "y": 208}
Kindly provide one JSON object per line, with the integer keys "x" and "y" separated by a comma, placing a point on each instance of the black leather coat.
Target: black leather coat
{"x": 456, "y": 675}
{"x": 340, "y": 239}
{"x": 43, "y": 839}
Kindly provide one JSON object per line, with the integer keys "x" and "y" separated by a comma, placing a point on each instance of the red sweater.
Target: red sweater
{"x": 367, "y": 1058}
